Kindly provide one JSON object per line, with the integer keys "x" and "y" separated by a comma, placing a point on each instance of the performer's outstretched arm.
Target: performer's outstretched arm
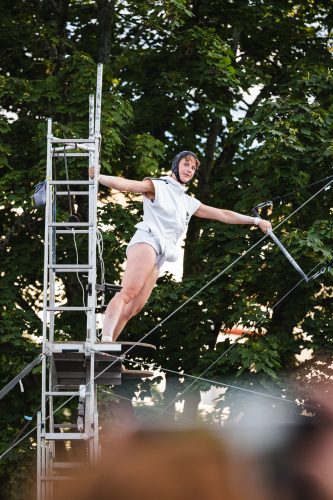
{"x": 229, "y": 217}
{"x": 122, "y": 184}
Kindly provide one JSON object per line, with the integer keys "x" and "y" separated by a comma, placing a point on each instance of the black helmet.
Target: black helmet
{"x": 176, "y": 160}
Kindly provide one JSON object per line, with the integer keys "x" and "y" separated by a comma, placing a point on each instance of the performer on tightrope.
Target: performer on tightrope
{"x": 167, "y": 211}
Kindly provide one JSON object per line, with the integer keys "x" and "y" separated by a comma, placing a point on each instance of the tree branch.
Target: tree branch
{"x": 233, "y": 140}
{"x": 208, "y": 163}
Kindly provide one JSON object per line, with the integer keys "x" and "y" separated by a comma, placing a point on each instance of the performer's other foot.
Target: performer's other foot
{"x": 106, "y": 338}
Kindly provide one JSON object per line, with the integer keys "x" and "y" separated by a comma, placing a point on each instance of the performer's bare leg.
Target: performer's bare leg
{"x": 135, "y": 306}
{"x": 141, "y": 261}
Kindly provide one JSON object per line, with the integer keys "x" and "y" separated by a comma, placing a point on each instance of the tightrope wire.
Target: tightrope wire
{"x": 185, "y": 303}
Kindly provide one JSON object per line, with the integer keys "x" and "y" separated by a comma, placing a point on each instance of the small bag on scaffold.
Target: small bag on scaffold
{"x": 39, "y": 196}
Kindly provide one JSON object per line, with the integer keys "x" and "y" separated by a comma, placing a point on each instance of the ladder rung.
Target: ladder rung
{"x": 62, "y": 393}
{"x": 59, "y": 155}
{"x": 72, "y": 141}
{"x": 65, "y": 426}
{"x": 70, "y": 224}
{"x": 71, "y": 183}
{"x": 72, "y": 193}
{"x": 69, "y": 270}
{"x": 67, "y": 465}
{"x": 82, "y": 373}
{"x": 56, "y": 478}
{"x": 72, "y": 231}
{"x": 68, "y": 267}
{"x": 72, "y": 145}
{"x": 66, "y": 436}
{"x": 68, "y": 308}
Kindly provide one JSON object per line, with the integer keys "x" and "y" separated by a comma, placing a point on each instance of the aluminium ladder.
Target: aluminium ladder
{"x": 73, "y": 369}
{"x": 57, "y": 368}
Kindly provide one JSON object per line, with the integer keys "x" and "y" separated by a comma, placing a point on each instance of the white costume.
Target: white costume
{"x": 165, "y": 218}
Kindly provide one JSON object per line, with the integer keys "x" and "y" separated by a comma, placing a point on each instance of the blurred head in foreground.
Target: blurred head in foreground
{"x": 166, "y": 465}
{"x": 263, "y": 458}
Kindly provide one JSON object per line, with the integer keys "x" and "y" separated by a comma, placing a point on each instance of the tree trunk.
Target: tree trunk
{"x": 191, "y": 263}
{"x": 59, "y": 50}
{"x": 105, "y": 26}
{"x": 191, "y": 404}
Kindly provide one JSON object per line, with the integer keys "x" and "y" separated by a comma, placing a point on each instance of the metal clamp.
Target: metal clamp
{"x": 48, "y": 351}
{"x": 317, "y": 274}
{"x": 267, "y": 203}
{"x": 107, "y": 287}
{"x": 322, "y": 270}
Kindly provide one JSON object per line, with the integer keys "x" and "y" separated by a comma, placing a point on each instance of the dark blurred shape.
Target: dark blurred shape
{"x": 272, "y": 454}
{"x": 302, "y": 468}
{"x": 167, "y": 465}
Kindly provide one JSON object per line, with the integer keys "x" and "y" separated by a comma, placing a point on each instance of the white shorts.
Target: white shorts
{"x": 141, "y": 236}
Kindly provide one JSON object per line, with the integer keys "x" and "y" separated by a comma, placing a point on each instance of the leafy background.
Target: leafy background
{"x": 247, "y": 85}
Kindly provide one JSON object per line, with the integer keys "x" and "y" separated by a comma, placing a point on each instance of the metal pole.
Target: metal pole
{"x": 92, "y": 272}
{"x": 48, "y": 215}
{"x": 19, "y": 376}
{"x": 98, "y": 99}
{"x": 287, "y": 254}
{"x": 284, "y": 250}
{"x": 92, "y": 401}
{"x": 39, "y": 450}
{"x": 96, "y": 433}
{"x": 91, "y": 408}
{"x": 95, "y": 159}
{"x": 49, "y": 422}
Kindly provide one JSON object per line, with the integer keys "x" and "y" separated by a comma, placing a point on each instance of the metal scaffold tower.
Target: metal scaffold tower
{"x": 72, "y": 369}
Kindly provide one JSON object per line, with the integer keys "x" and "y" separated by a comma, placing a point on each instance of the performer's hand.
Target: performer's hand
{"x": 265, "y": 225}
{"x": 91, "y": 171}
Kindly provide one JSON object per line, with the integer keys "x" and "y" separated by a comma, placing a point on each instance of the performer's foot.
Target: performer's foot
{"x": 106, "y": 338}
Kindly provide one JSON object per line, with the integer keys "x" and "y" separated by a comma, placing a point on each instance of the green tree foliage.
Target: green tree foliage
{"x": 247, "y": 85}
